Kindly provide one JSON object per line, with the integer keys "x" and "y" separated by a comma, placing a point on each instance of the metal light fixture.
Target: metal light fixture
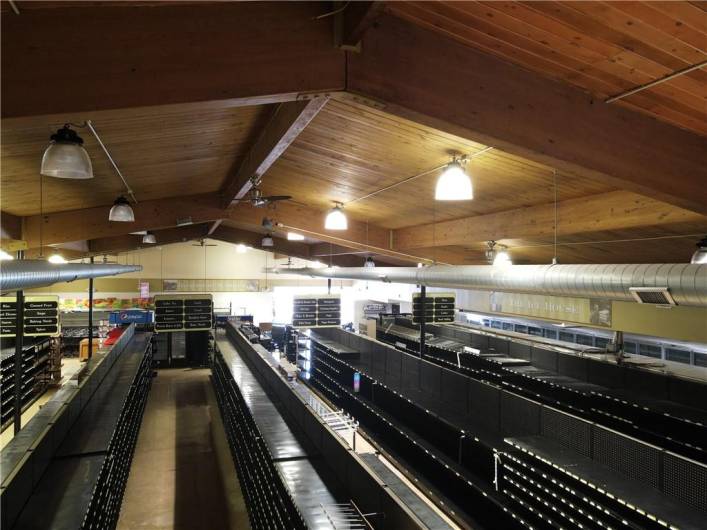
{"x": 149, "y": 239}
{"x": 5, "y": 255}
{"x": 454, "y": 184}
{"x": 121, "y": 211}
{"x": 291, "y": 236}
{"x": 700, "y": 255}
{"x": 56, "y": 259}
{"x": 65, "y": 158}
{"x": 369, "y": 263}
{"x": 267, "y": 224}
{"x": 497, "y": 255}
{"x": 267, "y": 241}
{"x": 336, "y": 218}
{"x": 502, "y": 258}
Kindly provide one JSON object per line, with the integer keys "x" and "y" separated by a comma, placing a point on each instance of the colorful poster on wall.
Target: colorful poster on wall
{"x": 144, "y": 289}
{"x": 105, "y": 304}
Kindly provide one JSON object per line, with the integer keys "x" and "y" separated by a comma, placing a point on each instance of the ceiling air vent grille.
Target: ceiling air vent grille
{"x": 652, "y": 295}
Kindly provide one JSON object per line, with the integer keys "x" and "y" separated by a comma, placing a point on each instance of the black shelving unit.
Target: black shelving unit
{"x": 35, "y": 376}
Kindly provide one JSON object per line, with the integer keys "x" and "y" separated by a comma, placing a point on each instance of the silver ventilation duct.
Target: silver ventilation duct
{"x": 686, "y": 282}
{"x": 25, "y": 274}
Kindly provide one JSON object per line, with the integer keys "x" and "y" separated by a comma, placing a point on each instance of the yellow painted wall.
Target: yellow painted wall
{"x": 677, "y": 322}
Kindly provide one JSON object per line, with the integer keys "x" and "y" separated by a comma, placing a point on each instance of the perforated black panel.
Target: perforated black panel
{"x": 685, "y": 480}
{"x": 546, "y": 359}
{"x": 567, "y": 430}
{"x": 484, "y": 402}
{"x": 634, "y": 459}
{"x": 519, "y": 416}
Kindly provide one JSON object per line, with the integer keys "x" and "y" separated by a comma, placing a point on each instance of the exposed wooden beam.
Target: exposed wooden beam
{"x": 127, "y": 242}
{"x": 156, "y": 55}
{"x": 287, "y": 122}
{"x": 606, "y": 211}
{"x": 214, "y": 226}
{"x": 429, "y": 78}
{"x": 254, "y": 239}
{"x": 356, "y": 19}
{"x": 92, "y": 223}
{"x": 10, "y": 226}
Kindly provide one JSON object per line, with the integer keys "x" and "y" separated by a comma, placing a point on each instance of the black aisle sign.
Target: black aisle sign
{"x": 438, "y": 307}
{"x": 188, "y": 312}
{"x": 41, "y": 316}
{"x": 312, "y": 311}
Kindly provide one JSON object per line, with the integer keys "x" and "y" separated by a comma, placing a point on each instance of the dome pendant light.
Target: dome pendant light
{"x": 336, "y": 218}
{"x": 454, "y": 184}
{"x": 56, "y": 259}
{"x": 700, "y": 255}
{"x": 121, "y": 211}
{"x": 149, "y": 239}
{"x": 65, "y": 158}
{"x": 267, "y": 241}
{"x": 369, "y": 263}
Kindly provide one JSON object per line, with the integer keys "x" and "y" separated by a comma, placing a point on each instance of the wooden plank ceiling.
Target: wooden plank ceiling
{"x": 163, "y": 151}
{"x": 605, "y": 48}
{"x": 203, "y": 151}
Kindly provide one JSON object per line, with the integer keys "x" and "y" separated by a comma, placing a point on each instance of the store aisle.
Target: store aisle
{"x": 182, "y": 475}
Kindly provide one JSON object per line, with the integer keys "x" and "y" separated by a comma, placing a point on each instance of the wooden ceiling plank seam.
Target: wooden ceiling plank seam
{"x": 429, "y": 97}
{"x": 287, "y": 122}
{"x": 637, "y": 74}
{"x": 613, "y": 18}
{"x": 573, "y": 18}
{"x": 676, "y": 28}
{"x": 605, "y": 211}
{"x": 603, "y": 80}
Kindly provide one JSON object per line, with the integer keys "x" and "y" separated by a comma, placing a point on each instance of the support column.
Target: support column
{"x": 423, "y": 295}
{"x": 90, "y": 315}
{"x": 19, "y": 342}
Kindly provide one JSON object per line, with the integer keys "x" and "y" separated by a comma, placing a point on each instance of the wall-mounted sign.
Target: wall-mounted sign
{"x": 316, "y": 311}
{"x": 185, "y": 312}
{"x": 41, "y": 316}
{"x": 144, "y": 289}
{"x": 437, "y": 307}
{"x": 581, "y": 310}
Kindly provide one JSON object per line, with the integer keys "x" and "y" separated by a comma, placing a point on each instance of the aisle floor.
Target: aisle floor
{"x": 182, "y": 475}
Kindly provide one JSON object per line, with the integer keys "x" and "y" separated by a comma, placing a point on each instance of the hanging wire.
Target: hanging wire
{"x": 554, "y": 181}
{"x": 41, "y": 215}
{"x": 418, "y": 175}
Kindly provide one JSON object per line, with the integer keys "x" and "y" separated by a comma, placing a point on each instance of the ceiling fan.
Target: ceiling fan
{"x": 203, "y": 243}
{"x": 257, "y": 199}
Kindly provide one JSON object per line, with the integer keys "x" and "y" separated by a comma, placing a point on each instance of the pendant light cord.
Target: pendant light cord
{"x": 41, "y": 215}
{"x": 554, "y": 181}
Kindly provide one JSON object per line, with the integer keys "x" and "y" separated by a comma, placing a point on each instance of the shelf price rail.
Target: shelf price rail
{"x": 269, "y": 503}
{"x": 676, "y": 434}
{"x": 333, "y": 377}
